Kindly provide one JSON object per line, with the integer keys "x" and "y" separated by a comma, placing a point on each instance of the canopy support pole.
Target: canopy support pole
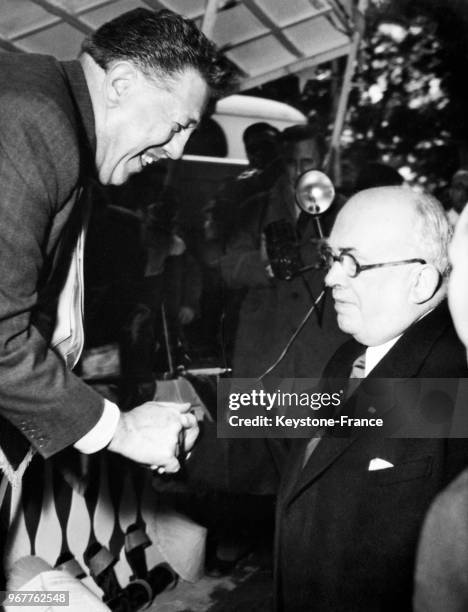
{"x": 345, "y": 91}
{"x": 209, "y": 17}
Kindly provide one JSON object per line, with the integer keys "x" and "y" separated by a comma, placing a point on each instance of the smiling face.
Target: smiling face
{"x": 378, "y": 304}
{"x": 144, "y": 120}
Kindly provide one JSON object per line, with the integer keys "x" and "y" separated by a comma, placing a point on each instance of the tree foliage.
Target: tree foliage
{"x": 409, "y": 97}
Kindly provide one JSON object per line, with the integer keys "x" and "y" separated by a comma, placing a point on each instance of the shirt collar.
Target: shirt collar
{"x": 375, "y": 353}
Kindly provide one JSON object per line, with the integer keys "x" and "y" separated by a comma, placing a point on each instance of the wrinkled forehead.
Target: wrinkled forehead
{"x": 375, "y": 222}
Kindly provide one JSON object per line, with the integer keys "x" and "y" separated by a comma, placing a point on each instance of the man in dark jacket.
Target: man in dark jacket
{"x": 351, "y": 502}
{"x": 356, "y": 499}
{"x": 133, "y": 97}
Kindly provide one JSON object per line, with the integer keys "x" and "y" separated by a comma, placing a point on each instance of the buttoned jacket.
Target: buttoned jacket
{"x": 346, "y": 535}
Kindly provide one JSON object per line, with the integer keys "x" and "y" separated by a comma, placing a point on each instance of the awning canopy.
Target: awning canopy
{"x": 266, "y": 39}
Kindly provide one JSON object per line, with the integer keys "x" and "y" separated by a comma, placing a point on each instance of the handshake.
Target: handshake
{"x": 156, "y": 434}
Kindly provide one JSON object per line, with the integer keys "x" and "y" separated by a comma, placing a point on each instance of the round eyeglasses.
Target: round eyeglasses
{"x": 353, "y": 268}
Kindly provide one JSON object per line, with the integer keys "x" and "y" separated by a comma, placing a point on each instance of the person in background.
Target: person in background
{"x": 262, "y": 147}
{"x": 441, "y": 581}
{"x": 274, "y": 307}
{"x": 458, "y": 285}
{"x": 377, "y": 174}
{"x": 223, "y": 216}
{"x": 172, "y": 285}
{"x": 458, "y": 195}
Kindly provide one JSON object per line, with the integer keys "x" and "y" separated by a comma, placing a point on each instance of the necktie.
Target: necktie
{"x": 358, "y": 371}
{"x": 311, "y": 446}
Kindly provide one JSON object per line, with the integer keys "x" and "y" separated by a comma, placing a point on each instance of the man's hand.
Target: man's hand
{"x": 151, "y": 434}
{"x": 458, "y": 286}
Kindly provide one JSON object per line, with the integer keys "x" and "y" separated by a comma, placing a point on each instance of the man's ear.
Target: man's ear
{"x": 426, "y": 280}
{"x": 120, "y": 80}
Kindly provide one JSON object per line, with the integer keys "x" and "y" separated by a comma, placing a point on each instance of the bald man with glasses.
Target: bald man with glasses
{"x": 351, "y": 504}
{"x": 351, "y": 501}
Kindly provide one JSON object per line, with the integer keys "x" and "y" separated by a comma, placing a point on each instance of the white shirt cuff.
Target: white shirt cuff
{"x": 102, "y": 433}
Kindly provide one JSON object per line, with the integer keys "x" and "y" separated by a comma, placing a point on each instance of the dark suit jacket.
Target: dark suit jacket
{"x": 46, "y": 151}
{"x": 346, "y": 536}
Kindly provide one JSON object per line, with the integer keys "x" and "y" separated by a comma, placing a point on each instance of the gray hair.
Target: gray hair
{"x": 433, "y": 231}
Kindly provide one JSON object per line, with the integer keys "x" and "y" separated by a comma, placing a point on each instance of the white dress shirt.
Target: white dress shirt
{"x": 375, "y": 353}
{"x": 102, "y": 433}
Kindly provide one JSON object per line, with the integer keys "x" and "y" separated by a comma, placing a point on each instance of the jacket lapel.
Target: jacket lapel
{"x": 292, "y": 470}
{"x": 404, "y": 360}
{"x": 327, "y": 452}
